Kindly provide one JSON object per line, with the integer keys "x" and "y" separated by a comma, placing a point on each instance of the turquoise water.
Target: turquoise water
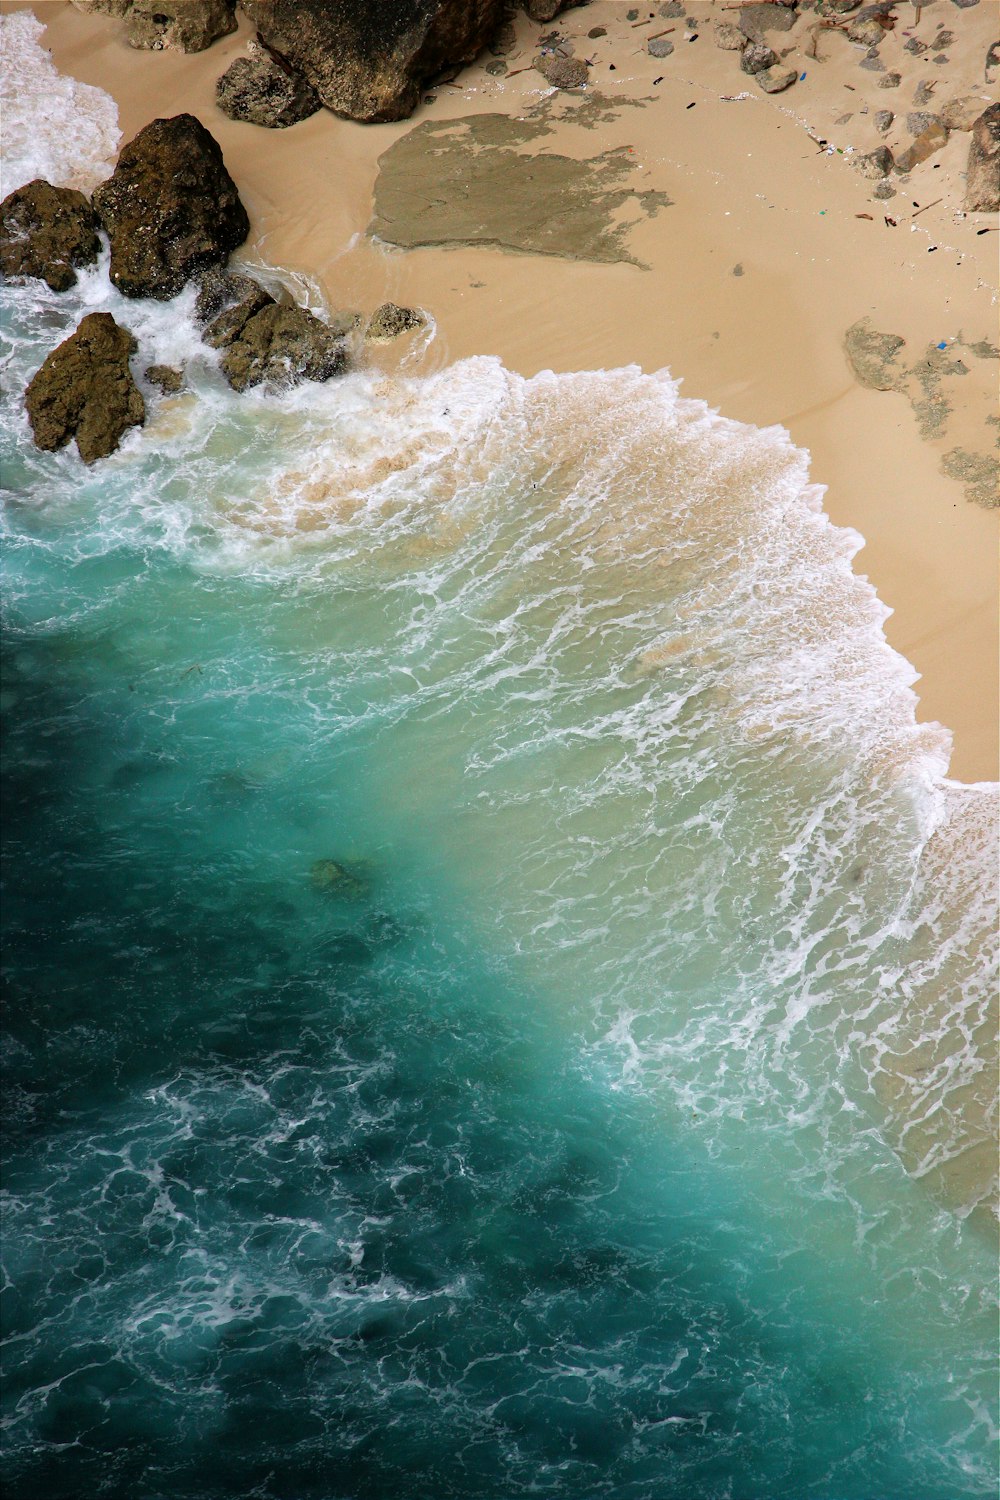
{"x": 498, "y": 988}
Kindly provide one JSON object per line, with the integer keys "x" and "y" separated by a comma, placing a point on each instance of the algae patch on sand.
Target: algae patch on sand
{"x": 469, "y": 182}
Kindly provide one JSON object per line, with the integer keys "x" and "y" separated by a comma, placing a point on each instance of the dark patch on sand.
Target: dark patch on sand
{"x": 469, "y": 182}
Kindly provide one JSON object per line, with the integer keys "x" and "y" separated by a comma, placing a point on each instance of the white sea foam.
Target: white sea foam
{"x": 53, "y": 126}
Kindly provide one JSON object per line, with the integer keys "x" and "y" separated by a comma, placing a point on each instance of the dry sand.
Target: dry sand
{"x": 770, "y": 248}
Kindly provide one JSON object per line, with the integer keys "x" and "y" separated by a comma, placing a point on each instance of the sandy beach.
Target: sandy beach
{"x": 742, "y": 243}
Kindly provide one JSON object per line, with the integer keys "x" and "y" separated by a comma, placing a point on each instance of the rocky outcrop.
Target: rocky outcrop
{"x": 45, "y": 232}
{"x": 389, "y": 321}
{"x": 243, "y": 300}
{"x": 170, "y": 209}
{"x": 182, "y": 25}
{"x": 85, "y": 390}
{"x": 265, "y": 90}
{"x": 367, "y": 59}
{"x": 281, "y": 346}
{"x": 982, "y": 185}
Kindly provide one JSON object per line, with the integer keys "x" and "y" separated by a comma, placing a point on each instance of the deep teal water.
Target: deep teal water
{"x": 603, "y": 1121}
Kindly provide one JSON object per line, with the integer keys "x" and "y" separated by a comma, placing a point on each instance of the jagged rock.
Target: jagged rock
{"x": 877, "y": 163}
{"x": 281, "y": 346}
{"x": 914, "y": 46}
{"x": 263, "y": 90}
{"x": 367, "y": 59}
{"x": 167, "y": 378}
{"x": 961, "y": 113}
{"x": 219, "y": 288}
{"x": 866, "y": 30}
{"x": 170, "y": 208}
{"x": 982, "y": 184}
{"x": 228, "y": 324}
{"x": 730, "y": 38}
{"x": 563, "y": 72}
{"x": 890, "y": 81}
{"x": 872, "y": 356}
{"x": 883, "y": 120}
{"x": 183, "y": 25}
{"x": 755, "y": 20}
{"x": 756, "y": 57}
{"x": 659, "y": 46}
{"x": 85, "y": 390}
{"x": 45, "y": 231}
{"x": 389, "y": 321}
{"x": 924, "y": 145}
{"x": 775, "y": 80}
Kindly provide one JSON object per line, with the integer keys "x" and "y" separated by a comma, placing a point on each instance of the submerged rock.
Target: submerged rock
{"x": 368, "y": 59}
{"x": 85, "y": 390}
{"x": 183, "y": 25}
{"x": 45, "y": 232}
{"x": 351, "y": 878}
{"x": 281, "y": 346}
{"x": 167, "y": 378}
{"x": 170, "y": 208}
{"x": 982, "y": 187}
{"x": 265, "y": 90}
{"x": 389, "y": 321}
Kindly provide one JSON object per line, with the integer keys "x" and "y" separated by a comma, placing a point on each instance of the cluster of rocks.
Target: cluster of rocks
{"x": 748, "y": 37}
{"x": 368, "y": 60}
{"x": 172, "y": 215}
{"x": 929, "y": 132}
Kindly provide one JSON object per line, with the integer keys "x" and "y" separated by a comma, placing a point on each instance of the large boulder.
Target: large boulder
{"x": 85, "y": 390}
{"x": 265, "y": 90}
{"x": 982, "y": 184}
{"x": 368, "y": 59}
{"x": 45, "y": 231}
{"x": 282, "y": 345}
{"x": 184, "y": 25}
{"x": 170, "y": 208}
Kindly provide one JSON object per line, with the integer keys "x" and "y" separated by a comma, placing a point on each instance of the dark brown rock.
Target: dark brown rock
{"x": 265, "y": 90}
{"x": 389, "y": 321}
{"x": 367, "y": 59}
{"x": 170, "y": 209}
{"x": 167, "y": 378}
{"x": 982, "y": 185}
{"x": 85, "y": 390}
{"x": 45, "y": 231}
{"x": 181, "y": 25}
{"x": 227, "y": 325}
{"x": 281, "y": 346}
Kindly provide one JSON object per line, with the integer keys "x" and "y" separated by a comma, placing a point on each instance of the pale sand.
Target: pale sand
{"x": 748, "y": 187}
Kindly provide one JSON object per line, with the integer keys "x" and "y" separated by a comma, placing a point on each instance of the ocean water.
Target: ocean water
{"x": 498, "y": 988}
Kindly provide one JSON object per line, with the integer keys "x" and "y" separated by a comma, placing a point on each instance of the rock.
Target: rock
{"x": 504, "y": 41}
{"x": 756, "y": 57}
{"x": 883, "y": 189}
{"x": 877, "y": 163}
{"x": 866, "y": 30}
{"x": 915, "y": 46}
{"x": 942, "y": 40}
{"x": 920, "y": 119}
{"x": 166, "y": 378}
{"x": 228, "y": 324}
{"x": 965, "y": 4}
{"x": 754, "y": 20}
{"x": 982, "y": 185}
{"x": 389, "y": 321}
{"x": 872, "y": 63}
{"x": 925, "y": 145}
{"x": 659, "y": 46}
{"x": 116, "y": 8}
{"x": 730, "y": 38}
{"x": 890, "y": 81}
{"x": 368, "y": 59}
{"x": 170, "y": 209}
{"x": 281, "y": 346}
{"x": 46, "y": 231}
{"x": 922, "y": 94}
{"x": 775, "y": 80}
{"x": 261, "y": 90}
{"x": 336, "y": 879}
{"x": 883, "y": 120}
{"x": 672, "y": 10}
{"x": 872, "y": 356}
{"x": 979, "y": 472}
{"x": 218, "y": 288}
{"x": 181, "y": 25}
{"x": 563, "y": 72}
{"x": 546, "y": 10}
{"x": 961, "y": 113}
{"x": 85, "y": 390}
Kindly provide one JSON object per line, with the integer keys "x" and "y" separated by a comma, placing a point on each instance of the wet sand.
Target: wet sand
{"x": 748, "y": 251}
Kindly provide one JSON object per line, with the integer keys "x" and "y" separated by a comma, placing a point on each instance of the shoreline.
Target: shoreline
{"x": 752, "y": 279}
